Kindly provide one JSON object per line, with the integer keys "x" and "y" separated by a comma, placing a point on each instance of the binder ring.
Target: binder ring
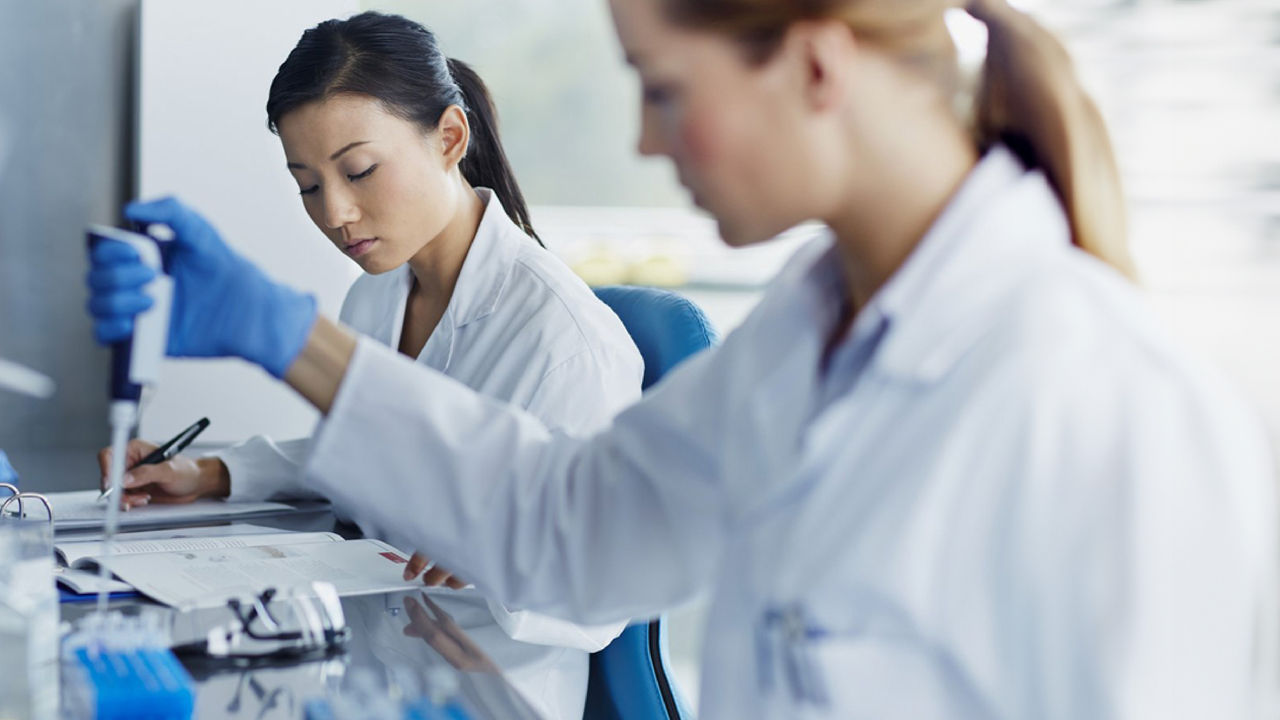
{"x": 19, "y": 497}
{"x": 14, "y": 492}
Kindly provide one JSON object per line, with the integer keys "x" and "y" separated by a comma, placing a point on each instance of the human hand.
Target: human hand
{"x": 223, "y": 305}
{"x": 178, "y": 480}
{"x": 434, "y": 577}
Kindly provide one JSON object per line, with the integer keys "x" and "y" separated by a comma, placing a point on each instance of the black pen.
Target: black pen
{"x": 165, "y": 452}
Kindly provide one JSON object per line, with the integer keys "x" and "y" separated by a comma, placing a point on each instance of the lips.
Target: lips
{"x": 356, "y": 248}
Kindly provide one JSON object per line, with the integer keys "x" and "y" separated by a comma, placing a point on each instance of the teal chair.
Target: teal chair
{"x": 629, "y": 679}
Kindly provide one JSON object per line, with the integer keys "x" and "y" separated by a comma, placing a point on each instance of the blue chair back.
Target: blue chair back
{"x": 629, "y": 679}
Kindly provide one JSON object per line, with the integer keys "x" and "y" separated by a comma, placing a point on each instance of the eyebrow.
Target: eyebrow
{"x": 335, "y": 156}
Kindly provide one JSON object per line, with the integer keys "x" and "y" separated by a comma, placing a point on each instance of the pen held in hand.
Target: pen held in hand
{"x": 165, "y": 452}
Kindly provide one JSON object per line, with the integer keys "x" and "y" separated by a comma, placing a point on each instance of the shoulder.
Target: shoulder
{"x": 550, "y": 307}
{"x": 1078, "y": 317}
{"x": 1083, "y": 363}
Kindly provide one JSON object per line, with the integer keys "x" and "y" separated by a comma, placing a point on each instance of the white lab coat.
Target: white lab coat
{"x": 519, "y": 327}
{"x": 1007, "y": 495}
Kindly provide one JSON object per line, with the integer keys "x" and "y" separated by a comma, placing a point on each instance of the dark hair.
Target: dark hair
{"x": 399, "y": 63}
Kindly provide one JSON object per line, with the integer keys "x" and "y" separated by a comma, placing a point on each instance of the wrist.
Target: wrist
{"x": 270, "y": 324}
{"x": 320, "y": 366}
{"x": 215, "y": 478}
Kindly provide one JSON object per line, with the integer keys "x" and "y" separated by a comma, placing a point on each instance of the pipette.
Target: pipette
{"x": 134, "y": 362}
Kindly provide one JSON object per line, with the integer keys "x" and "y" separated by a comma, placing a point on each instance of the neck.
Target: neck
{"x": 437, "y": 265}
{"x": 910, "y": 178}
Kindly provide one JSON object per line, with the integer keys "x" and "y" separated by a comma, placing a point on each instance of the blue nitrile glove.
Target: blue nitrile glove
{"x": 7, "y": 473}
{"x": 223, "y": 305}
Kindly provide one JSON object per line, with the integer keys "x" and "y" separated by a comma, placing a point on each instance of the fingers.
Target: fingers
{"x": 137, "y": 450}
{"x": 116, "y": 272}
{"x": 119, "y": 304}
{"x": 417, "y": 563}
{"x": 435, "y": 576}
{"x": 113, "y": 252}
{"x": 135, "y": 499}
{"x": 104, "y": 464}
{"x": 169, "y": 211}
{"x": 112, "y": 331}
{"x": 165, "y": 210}
{"x": 144, "y": 475}
{"x": 116, "y": 281}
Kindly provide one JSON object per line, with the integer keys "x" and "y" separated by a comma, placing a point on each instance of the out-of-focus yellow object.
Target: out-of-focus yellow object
{"x": 601, "y": 267}
{"x": 659, "y": 270}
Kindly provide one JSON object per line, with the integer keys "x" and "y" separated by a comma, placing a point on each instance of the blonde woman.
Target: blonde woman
{"x": 948, "y": 468}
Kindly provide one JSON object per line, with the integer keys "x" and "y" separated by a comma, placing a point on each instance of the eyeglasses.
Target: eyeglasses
{"x": 277, "y": 624}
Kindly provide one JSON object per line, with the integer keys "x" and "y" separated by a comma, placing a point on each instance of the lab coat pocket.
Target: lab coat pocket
{"x": 864, "y": 661}
{"x": 883, "y": 677}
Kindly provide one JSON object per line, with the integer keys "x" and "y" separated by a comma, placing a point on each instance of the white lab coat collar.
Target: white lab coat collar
{"x": 481, "y": 281}
{"x": 987, "y": 238}
{"x": 488, "y": 265}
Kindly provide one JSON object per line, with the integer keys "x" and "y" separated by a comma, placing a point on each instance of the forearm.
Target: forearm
{"x": 318, "y": 370}
{"x": 521, "y": 509}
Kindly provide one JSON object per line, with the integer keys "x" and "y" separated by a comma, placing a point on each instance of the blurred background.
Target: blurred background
{"x": 101, "y": 100}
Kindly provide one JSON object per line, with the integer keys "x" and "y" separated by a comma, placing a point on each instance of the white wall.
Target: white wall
{"x": 204, "y": 72}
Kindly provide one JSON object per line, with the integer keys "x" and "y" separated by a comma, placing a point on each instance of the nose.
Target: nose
{"x": 650, "y": 142}
{"x": 340, "y": 209}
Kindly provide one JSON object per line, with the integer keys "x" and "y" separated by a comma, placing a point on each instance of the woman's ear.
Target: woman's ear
{"x": 827, "y": 50}
{"x": 455, "y": 134}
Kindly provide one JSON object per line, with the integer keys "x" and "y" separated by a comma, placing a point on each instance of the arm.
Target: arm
{"x": 1150, "y": 545}
{"x": 319, "y": 368}
{"x": 599, "y": 529}
{"x": 580, "y": 395}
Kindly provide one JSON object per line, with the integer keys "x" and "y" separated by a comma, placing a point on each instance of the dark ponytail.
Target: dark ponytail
{"x": 485, "y": 163}
{"x": 398, "y": 62}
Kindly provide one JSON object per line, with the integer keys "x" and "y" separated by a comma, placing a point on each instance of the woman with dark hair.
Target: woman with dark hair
{"x": 396, "y": 153}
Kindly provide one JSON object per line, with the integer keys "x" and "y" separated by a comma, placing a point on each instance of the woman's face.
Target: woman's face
{"x": 735, "y": 130}
{"x": 375, "y": 184}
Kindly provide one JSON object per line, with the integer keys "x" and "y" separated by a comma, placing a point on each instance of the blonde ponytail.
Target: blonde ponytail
{"x": 1030, "y": 98}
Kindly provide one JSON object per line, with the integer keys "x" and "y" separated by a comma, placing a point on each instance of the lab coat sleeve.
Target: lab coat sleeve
{"x": 580, "y": 395}
{"x": 599, "y": 529}
{"x": 266, "y": 469}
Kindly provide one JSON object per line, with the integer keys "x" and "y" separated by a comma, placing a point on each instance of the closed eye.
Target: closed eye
{"x": 364, "y": 174}
{"x": 656, "y": 95}
{"x": 309, "y": 191}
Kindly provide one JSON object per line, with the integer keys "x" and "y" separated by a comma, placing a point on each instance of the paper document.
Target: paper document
{"x": 207, "y": 577}
{"x": 84, "y": 582}
{"x": 220, "y": 528}
{"x": 85, "y": 554}
{"x": 81, "y": 509}
{"x": 77, "y": 567}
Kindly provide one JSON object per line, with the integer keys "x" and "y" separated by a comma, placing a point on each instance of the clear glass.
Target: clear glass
{"x": 28, "y": 621}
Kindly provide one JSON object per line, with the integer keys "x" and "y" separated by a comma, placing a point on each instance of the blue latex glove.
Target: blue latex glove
{"x": 223, "y": 305}
{"x": 7, "y": 473}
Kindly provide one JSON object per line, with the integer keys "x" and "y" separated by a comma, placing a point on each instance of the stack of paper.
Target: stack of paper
{"x": 81, "y": 509}
{"x": 204, "y": 571}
